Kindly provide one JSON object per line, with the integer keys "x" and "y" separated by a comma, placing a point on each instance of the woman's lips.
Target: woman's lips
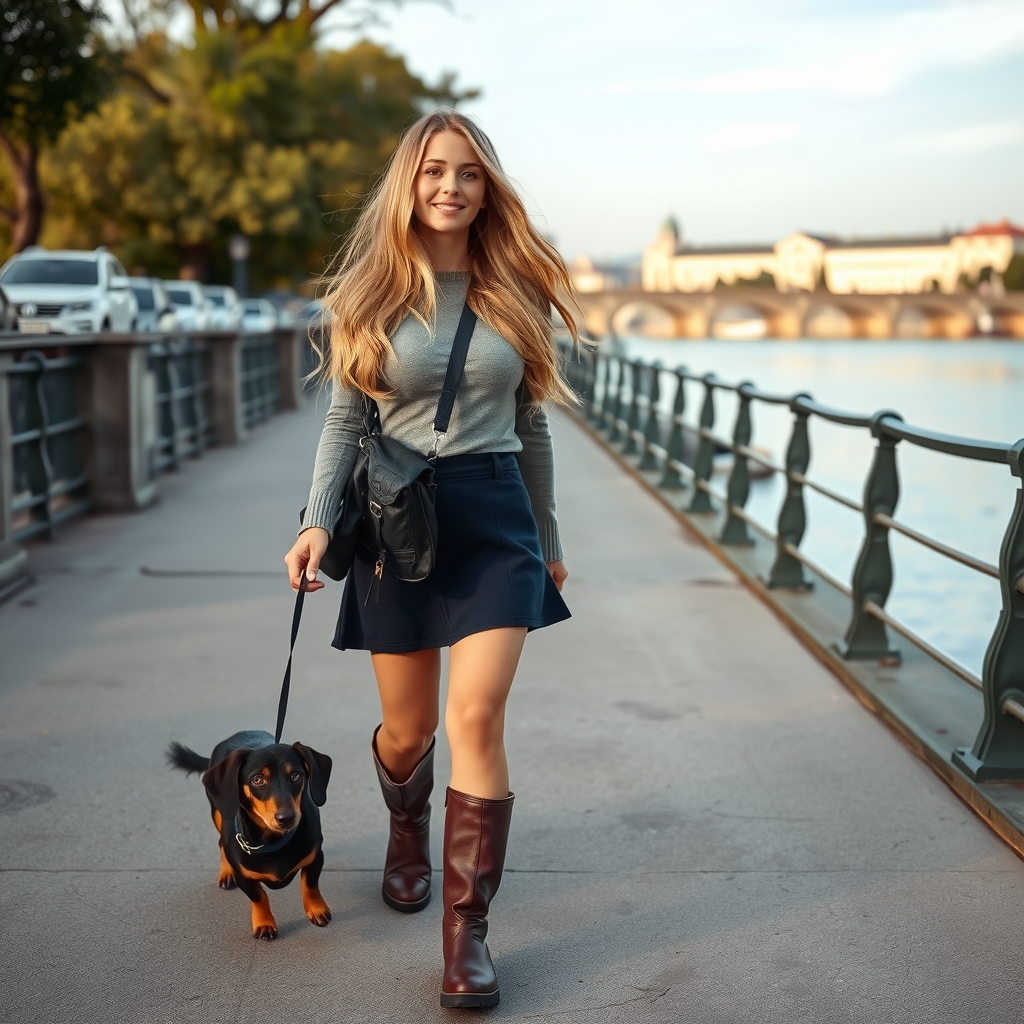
{"x": 447, "y": 207}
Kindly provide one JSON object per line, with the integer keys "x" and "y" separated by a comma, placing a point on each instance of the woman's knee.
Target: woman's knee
{"x": 478, "y": 723}
{"x": 409, "y": 739}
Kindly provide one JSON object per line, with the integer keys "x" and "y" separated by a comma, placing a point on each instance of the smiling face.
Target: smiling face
{"x": 450, "y": 185}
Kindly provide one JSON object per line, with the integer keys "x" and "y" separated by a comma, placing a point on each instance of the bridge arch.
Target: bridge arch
{"x": 925, "y": 317}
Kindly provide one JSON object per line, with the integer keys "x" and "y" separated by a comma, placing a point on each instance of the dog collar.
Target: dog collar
{"x": 236, "y": 826}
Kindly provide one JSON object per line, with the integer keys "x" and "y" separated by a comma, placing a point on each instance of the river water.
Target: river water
{"x": 971, "y": 388}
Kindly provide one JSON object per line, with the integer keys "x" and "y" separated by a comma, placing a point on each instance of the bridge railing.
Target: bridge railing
{"x": 621, "y": 397}
{"x": 90, "y": 421}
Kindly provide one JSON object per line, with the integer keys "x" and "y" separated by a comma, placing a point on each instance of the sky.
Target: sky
{"x": 746, "y": 119}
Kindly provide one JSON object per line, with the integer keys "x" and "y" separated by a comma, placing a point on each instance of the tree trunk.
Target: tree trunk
{"x": 28, "y": 215}
{"x": 195, "y": 262}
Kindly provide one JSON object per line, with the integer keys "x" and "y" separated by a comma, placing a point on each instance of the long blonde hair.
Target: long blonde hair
{"x": 383, "y": 273}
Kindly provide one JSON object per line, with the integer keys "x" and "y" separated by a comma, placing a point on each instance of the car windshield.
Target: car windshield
{"x": 252, "y": 307}
{"x": 180, "y": 296}
{"x": 145, "y": 296}
{"x": 216, "y": 300}
{"x": 55, "y": 271}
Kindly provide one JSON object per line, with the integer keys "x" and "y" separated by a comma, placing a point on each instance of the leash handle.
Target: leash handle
{"x": 286, "y": 684}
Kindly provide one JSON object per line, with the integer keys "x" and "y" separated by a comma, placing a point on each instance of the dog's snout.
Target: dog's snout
{"x": 285, "y": 818}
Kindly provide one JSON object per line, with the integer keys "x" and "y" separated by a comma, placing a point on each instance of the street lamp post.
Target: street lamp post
{"x": 239, "y": 249}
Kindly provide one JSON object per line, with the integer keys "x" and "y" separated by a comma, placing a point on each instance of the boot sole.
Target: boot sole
{"x": 470, "y": 1000}
{"x": 404, "y": 908}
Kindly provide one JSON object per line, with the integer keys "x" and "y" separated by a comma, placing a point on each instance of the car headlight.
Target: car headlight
{"x": 79, "y": 307}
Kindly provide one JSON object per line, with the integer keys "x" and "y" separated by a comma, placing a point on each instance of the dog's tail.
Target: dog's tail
{"x": 187, "y": 760}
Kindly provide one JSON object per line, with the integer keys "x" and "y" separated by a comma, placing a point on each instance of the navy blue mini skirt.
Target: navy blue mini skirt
{"x": 489, "y": 570}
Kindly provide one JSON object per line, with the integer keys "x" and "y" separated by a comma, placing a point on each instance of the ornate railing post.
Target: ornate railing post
{"x": 701, "y": 501}
{"x": 998, "y": 752}
{"x": 600, "y": 378}
{"x": 735, "y": 529}
{"x": 787, "y": 571}
{"x": 652, "y": 427}
{"x": 866, "y": 636}
{"x": 671, "y": 479}
{"x": 636, "y": 369}
{"x": 614, "y": 433}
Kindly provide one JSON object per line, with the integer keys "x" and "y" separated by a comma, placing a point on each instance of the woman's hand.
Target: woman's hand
{"x": 559, "y": 573}
{"x": 305, "y": 556}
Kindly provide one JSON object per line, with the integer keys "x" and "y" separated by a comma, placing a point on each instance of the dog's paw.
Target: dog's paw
{"x": 226, "y": 880}
{"x": 319, "y": 915}
{"x": 265, "y": 931}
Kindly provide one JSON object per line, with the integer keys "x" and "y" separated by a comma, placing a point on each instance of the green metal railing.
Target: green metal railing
{"x": 49, "y": 459}
{"x": 621, "y": 398}
{"x": 181, "y": 369}
{"x": 260, "y": 378}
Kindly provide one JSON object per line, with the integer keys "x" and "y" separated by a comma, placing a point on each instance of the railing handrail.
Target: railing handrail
{"x": 885, "y": 422}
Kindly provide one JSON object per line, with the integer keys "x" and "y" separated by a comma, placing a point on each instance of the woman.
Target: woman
{"x": 444, "y": 227}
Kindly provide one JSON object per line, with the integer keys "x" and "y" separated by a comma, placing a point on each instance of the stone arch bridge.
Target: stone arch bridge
{"x": 806, "y": 314}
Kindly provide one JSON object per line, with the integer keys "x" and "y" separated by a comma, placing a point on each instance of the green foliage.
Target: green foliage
{"x": 763, "y": 280}
{"x": 244, "y": 130}
{"x": 1013, "y": 276}
{"x": 53, "y": 67}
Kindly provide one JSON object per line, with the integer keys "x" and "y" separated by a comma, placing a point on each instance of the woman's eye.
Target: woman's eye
{"x": 257, "y": 780}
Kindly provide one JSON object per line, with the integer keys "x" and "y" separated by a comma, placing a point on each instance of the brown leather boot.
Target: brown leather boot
{"x": 406, "y": 884}
{"x": 475, "y": 836}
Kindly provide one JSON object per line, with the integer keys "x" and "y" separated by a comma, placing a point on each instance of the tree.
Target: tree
{"x": 263, "y": 135}
{"x": 53, "y": 68}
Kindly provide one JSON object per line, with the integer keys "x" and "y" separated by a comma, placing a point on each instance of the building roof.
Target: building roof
{"x": 891, "y": 242}
{"x": 724, "y": 250}
{"x": 1002, "y": 227}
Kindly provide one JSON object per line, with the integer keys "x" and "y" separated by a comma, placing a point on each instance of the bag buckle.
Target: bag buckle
{"x": 375, "y": 509}
{"x": 439, "y": 436}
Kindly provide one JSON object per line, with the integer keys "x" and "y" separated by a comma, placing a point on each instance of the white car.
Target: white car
{"x": 225, "y": 310}
{"x": 258, "y": 316}
{"x": 155, "y": 310}
{"x": 190, "y": 304}
{"x": 69, "y": 292}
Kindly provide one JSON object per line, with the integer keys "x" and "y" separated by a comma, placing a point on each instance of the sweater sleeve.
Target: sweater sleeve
{"x": 537, "y": 466}
{"x": 335, "y": 457}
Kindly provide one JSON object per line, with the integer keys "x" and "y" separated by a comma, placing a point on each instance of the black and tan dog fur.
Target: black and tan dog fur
{"x": 259, "y": 791}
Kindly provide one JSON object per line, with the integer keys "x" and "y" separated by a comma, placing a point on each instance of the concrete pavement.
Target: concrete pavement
{"x": 707, "y": 826}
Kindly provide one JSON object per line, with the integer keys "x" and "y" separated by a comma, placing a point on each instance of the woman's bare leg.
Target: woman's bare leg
{"x": 483, "y": 666}
{"x": 408, "y": 686}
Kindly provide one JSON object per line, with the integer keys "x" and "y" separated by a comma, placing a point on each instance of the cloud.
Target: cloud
{"x": 972, "y": 138}
{"x": 960, "y": 34}
{"x": 748, "y": 135}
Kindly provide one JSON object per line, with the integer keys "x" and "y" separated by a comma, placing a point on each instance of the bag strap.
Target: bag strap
{"x": 453, "y": 376}
{"x": 286, "y": 684}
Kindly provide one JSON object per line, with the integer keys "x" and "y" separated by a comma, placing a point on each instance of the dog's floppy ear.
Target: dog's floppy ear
{"x": 318, "y": 768}
{"x": 221, "y": 782}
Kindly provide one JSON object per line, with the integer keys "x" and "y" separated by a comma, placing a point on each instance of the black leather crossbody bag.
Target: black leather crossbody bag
{"x": 388, "y": 502}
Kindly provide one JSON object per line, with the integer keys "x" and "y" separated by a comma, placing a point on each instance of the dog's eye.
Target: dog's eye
{"x": 296, "y": 776}
{"x": 257, "y": 780}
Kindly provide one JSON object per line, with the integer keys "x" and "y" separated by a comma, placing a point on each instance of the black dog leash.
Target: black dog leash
{"x": 286, "y": 684}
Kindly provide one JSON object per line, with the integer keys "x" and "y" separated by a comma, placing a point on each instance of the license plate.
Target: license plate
{"x": 33, "y": 327}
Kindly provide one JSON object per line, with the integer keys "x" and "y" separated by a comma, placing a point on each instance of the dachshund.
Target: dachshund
{"x": 265, "y": 799}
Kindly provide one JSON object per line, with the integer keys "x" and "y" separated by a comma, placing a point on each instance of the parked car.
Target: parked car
{"x": 258, "y": 315}
{"x": 6, "y": 313}
{"x": 69, "y": 291}
{"x": 190, "y": 304}
{"x": 225, "y": 309}
{"x": 156, "y": 312}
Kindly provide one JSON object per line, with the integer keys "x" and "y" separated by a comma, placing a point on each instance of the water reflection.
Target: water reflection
{"x": 971, "y": 388}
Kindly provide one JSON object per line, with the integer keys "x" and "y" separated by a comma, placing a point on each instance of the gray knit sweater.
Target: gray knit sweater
{"x": 488, "y": 416}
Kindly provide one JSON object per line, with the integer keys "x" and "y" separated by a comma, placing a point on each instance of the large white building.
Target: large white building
{"x": 799, "y": 262}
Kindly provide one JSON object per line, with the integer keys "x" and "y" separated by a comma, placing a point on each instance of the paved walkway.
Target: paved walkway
{"x": 707, "y": 828}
